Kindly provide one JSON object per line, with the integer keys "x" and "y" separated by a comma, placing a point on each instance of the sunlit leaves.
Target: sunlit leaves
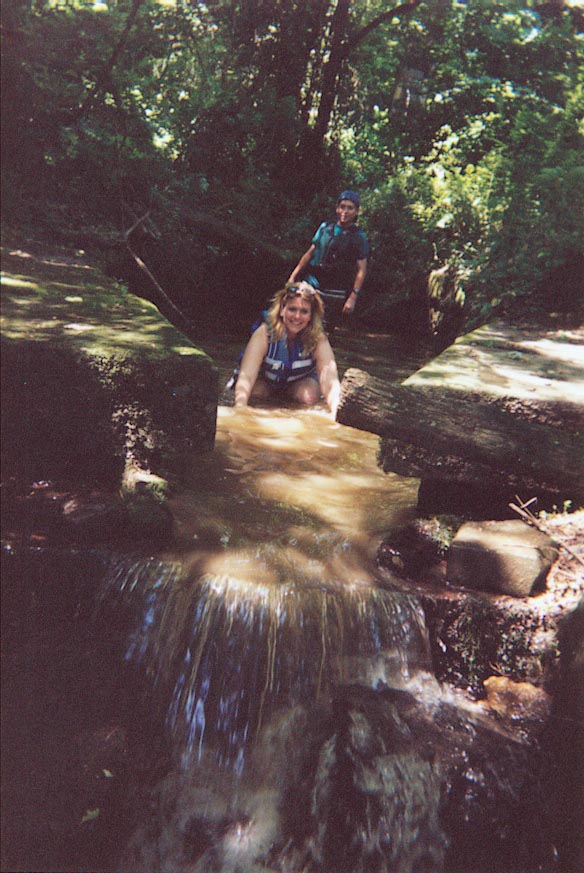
{"x": 173, "y": 103}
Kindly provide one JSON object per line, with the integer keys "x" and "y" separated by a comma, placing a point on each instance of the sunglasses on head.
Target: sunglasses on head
{"x": 297, "y": 290}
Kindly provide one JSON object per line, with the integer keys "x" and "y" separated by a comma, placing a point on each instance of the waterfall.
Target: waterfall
{"x": 226, "y": 653}
{"x": 308, "y": 731}
{"x": 279, "y": 711}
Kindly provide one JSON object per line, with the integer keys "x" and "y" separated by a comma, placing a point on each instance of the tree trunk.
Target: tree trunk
{"x": 454, "y": 436}
{"x": 332, "y": 68}
{"x": 341, "y": 45}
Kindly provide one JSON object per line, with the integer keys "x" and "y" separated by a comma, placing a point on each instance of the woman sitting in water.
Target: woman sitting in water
{"x": 289, "y": 355}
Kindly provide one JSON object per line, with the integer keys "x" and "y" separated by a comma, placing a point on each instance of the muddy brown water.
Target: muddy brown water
{"x": 278, "y": 531}
{"x": 193, "y": 717}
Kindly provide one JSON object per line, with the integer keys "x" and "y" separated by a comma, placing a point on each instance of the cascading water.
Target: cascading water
{"x": 285, "y": 605}
{"x": 304, "y": 729}
{"x": 226, "y": 653}
{"x": 272, "y": 604}
{"x": 308, "y": 731}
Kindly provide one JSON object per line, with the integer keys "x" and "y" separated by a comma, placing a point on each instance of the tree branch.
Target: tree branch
{"x": 164, "y": 296}
{"x": 103, "y": 79}
{"x": 529, "y": 518}
{"x": 124, "y": 36}
{"x": 402, "y": 9}
{"x": 341, "y": 47}
{"x": 332, "y": 69}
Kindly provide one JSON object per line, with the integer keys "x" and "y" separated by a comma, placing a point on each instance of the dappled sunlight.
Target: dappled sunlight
{"x": 251, "y": 572}
{"x": 62, "y": 262}
{"x": 52, "y": 311}
{"x": 261, "y": 436}
{"x": 317, "y": 466}
{"x": 571, "y": 351}
{"x": 344, "y": 500}
{"x": 15, "y": 282}
{"x": 79, "y": 328}
{"x": 290, "y": 497}
{"x": 58, "y": 288}
{"x": 546, "y": 369}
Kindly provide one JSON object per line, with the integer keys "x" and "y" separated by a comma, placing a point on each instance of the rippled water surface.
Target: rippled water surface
{"x": 294, "y": 473}
{"x": 294, "y": 477}
{"x": 273, "y": 595}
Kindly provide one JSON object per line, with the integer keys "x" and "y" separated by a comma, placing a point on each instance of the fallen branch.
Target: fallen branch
{"x": 529, "y": 518}
{"x": 182, "y": 318}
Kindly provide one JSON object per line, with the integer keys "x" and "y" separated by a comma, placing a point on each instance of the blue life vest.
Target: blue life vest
{"x": 283, "y": 364}
{"x": 336, "y": 252}
{"x": 279, "y": 366}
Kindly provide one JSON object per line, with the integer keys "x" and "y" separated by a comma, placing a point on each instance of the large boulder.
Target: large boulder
{"x": 95, "y": 382}
{"x": 503, "y": 556}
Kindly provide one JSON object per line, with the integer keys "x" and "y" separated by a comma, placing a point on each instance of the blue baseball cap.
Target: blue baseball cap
{"x": 350, "y": 195}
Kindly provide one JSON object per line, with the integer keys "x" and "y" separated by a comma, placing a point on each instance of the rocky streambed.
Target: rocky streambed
{"x": 446, "y": 737}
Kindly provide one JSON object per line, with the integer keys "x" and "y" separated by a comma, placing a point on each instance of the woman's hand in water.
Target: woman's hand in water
{"x": 328, "y": 376}
{"x": 242, "y": 409}
{"x": 333, "y": 397}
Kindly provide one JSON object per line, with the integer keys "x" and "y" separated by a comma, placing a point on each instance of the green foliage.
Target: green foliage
{"x": 459, "y": 123}
{"x": 74, "y": 142}
{"x": 400, "y": 247}
{"x": 491, "y": 168}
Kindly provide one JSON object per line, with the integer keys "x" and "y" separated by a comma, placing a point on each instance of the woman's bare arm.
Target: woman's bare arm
{"x": 328, "y": 375}
{"x": 302, "y": 264}
{"x": 253, "y": 356}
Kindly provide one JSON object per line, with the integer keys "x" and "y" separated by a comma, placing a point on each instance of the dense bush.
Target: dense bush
{"x": 234, "y": 126}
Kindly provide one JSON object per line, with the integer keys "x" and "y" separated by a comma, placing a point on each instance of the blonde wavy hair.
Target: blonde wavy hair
{"x": 314, "y": 330}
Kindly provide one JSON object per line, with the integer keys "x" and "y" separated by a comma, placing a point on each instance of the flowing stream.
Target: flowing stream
{"x": 306, "y": 730}
{"x": 270, "y": 604}
{"x": 274, "y": 598}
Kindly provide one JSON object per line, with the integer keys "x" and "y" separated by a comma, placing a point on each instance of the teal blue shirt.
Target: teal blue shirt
{"x": 336, "y": 252}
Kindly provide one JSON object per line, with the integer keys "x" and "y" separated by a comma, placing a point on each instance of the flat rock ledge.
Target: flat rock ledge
{"x": 503, "y": 556}
{"x": 95, "y": 382}
{"x": 500, "y": 413}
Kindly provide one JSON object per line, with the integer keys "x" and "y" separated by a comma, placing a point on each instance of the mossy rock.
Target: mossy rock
{"x": 94, "y": 378}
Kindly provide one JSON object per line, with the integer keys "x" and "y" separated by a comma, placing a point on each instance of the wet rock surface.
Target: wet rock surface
{"x": 382, "y": 780}
{"x": 477, "y": 633}
{"x": 68, "y": 512}
{"x": 516, "y": 702}
{"x": 505, "y": 556}
{"x": 519, "y": 657}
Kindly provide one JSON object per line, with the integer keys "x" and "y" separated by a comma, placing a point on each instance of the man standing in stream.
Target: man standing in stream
{"x": 336, "y": 262}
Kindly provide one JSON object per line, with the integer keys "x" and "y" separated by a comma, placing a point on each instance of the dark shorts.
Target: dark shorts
{"x": 279, "y": 388}
{"x": 334, "y": 300}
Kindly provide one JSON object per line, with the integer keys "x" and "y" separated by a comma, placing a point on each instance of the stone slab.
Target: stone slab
{"x": 95, "y": 379}
{"x": 499, "y": 360}
{"x": 504, "y": 556}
